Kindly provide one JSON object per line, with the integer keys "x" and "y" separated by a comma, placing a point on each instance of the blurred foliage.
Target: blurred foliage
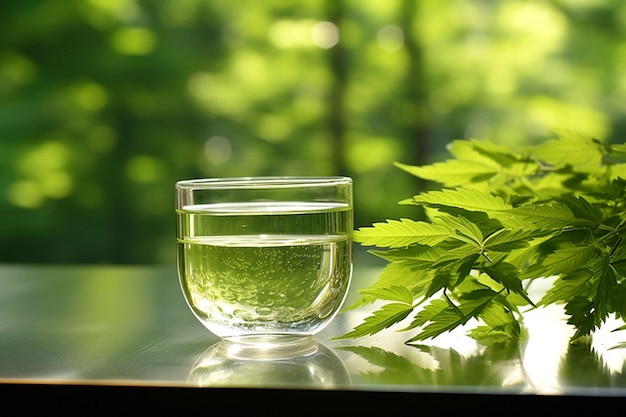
{"x": 104, "y": 104}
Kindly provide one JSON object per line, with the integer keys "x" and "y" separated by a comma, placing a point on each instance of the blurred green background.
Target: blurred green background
{"x": 104, "y": 104}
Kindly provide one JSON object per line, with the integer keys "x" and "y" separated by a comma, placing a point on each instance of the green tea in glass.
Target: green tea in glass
{"x": 262, "y": 258}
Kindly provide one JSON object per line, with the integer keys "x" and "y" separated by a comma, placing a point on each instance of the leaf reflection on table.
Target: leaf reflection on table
{"x": 490, "y": 368}
{"x": 499, "y": 367}
{"x": 583, "y": 366}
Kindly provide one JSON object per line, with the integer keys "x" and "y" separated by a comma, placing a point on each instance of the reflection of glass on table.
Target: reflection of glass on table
{"x": 225, "y": 364}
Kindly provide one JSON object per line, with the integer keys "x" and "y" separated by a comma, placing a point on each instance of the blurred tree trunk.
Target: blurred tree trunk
{"x": 336, "y": 100}
{"x": 418, "y": 126}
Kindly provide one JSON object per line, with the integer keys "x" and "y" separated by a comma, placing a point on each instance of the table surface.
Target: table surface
{"x": 107, "y": 325}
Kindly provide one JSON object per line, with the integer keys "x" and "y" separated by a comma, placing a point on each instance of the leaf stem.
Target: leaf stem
{"x": 615, "y": 246}
{"x": 454, "y": 307}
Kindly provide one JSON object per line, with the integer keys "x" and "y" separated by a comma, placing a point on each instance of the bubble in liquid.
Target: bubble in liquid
{"x": 263, "y": 311}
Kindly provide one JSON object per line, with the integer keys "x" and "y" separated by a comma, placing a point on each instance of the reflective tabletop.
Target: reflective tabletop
{"x": 129, "y": 326}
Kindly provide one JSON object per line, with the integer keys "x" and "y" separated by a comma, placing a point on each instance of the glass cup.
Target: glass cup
{"x": 265, "y": 260}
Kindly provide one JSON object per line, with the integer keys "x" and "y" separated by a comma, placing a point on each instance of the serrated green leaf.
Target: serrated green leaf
{"x": 555, "y": 209}
{"x": 511, "y": 164}
{"x": 507, "y": 275}
{"x": 607, "y": 283}
{"x": 506, "y": 240}
{"x": 617, "y": 171}
{"x": 429, "y": 312}
{"x": 553, "y": 216}
{"x": 620, "y": 267}
{"x": 583, "y": 210}
{"x": 617, "y": 297}
{"x": 483, "y": 151}
{"x": 399, "y": 233}
{"x": 465, "y": 198}
{"x": 381, "y": 319}
{"x": 567, "y": 287}
{"x": 464, "y": 267}
{"x": 488, "y": 336}
{"x": 451, "y": 173}
{"x": 561, "y": 261}
{"x": 481, "y": 289}
{"x": 415, "y": 279}
{"x": 440, "y": 279}
{"x": 392, "y": 293}
{"x": 448, "y": 260}
{"x": 443, "y": 320}
{"x": 417, "y": 255}
{"x": 497, "y": 316}
{"x": 570, "y": 148}
{"x": 464, "y": 227}
{"x": 581, "y": 312}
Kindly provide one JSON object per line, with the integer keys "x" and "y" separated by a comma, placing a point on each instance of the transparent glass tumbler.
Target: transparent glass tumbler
{"x": 265, "y": 259}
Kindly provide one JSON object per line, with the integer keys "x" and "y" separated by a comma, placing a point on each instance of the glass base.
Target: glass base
{"x": 267, "y": 346}
{"x": 268, "y": 362}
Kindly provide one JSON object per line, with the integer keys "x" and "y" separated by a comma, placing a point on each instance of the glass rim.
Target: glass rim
{"x": 262, "y": 182}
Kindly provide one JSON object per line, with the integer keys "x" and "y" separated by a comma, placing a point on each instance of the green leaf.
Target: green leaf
{"x": 561, "y": 261}
{"x": 620, "y": 267}
{"x": 503, "y": 217}
{"x": 416, "y": 255}
{"x": 617, "y": 297}
{"x": 441, "y": 279}
{"x": 451, "y": 257}
{"x": 583, "y": 210}
{"x": 387, "y": 316}
{"x": 582, "y": 317}
{"x": 405, "y": 232}
{"x": 507, "y": 275}
{"x": 567, "y": 287}
{"x": 607, "y": 283}
{"x": 404, "y": 274}
{"x": 429, "y": 312}
{"x": 497, "y": 316}
{"x": 392, "y": 293}
{"x": 570, "y": 148}
{"x": 506, "y": 240}
{"x": 618, "y": 148}
{"x": 465, "y": 198}
{"x": 487, "y": 152}
{"x": 488, "y": 336}
{"x": 441, "y": 320}
{"x": 465, "y": 266}
{"x": 465, "y": 228}
{"x": 451, "y": 173}
{"x": 553, "y": 216}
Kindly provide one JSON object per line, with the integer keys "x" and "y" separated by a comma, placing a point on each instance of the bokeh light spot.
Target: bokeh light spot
{"x": 218, "y": 150}
{"x": 47, "y": 157}
{"x": 25, "y": 194}
{"x": 145, "y": 169}
{"x": 390, "y": 38}
{"x": 134, "y": 41}
{"x": 291, "y": 33}
{"x": 273, "y": 128}
{"x": 57, "y": 184}
{"x": 325, "y": 35}
{"x": 90, "y": 96}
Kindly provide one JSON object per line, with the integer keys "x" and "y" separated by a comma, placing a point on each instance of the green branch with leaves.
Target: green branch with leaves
{"x": 500, "y": 220}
